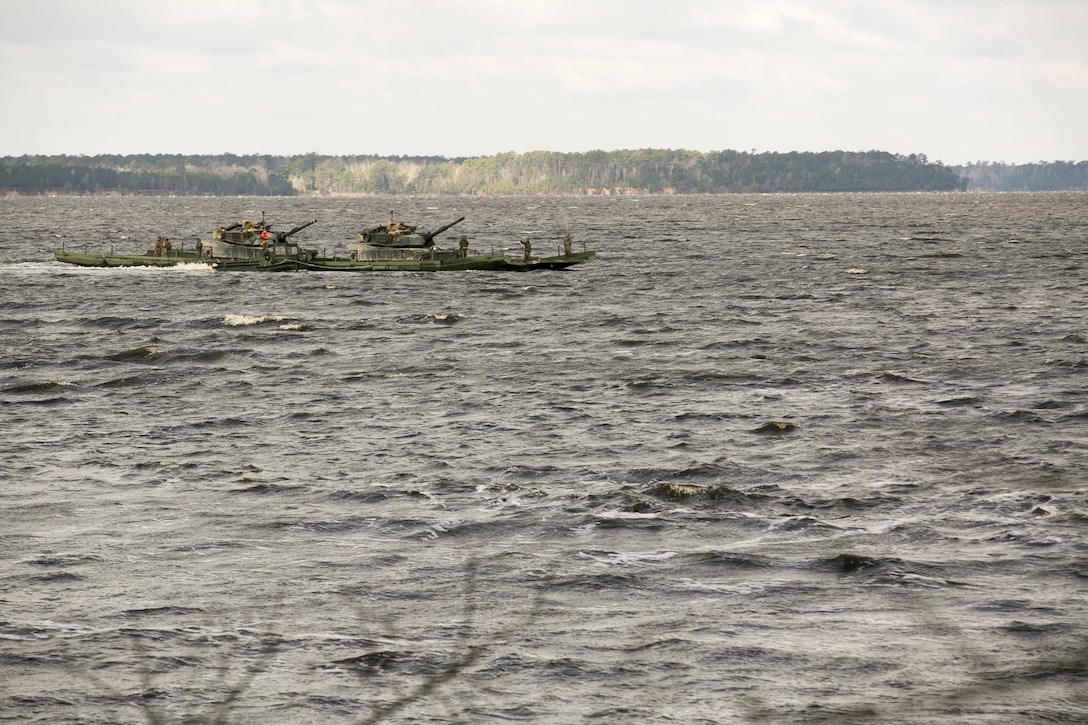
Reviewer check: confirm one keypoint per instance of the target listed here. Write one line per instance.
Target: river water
(784, 458)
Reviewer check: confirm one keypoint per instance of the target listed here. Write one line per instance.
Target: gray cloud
(958, 81)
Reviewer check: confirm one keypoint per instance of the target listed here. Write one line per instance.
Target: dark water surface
(769, 459)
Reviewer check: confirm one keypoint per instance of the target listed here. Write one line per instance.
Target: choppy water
(769, 459)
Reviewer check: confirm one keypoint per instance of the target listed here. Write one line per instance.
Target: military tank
(253, 240)
(383, 242)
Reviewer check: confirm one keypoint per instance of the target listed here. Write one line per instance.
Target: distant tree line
(642, 171)
(226, 175)
(645, 171)
(1043, 176)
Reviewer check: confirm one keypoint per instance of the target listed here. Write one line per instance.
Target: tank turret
(247, 232)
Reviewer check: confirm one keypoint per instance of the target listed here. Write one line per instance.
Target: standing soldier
(462, 246)
(566, 244)
(528, 249)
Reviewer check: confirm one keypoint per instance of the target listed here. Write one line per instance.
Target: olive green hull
(492, 262)
(85, 259)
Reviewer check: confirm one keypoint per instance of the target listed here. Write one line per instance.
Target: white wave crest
(243, 320)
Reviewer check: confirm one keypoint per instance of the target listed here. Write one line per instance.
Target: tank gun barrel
(429, 236)
(298, 229)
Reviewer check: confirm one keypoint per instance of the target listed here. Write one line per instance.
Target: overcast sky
(957, 80)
